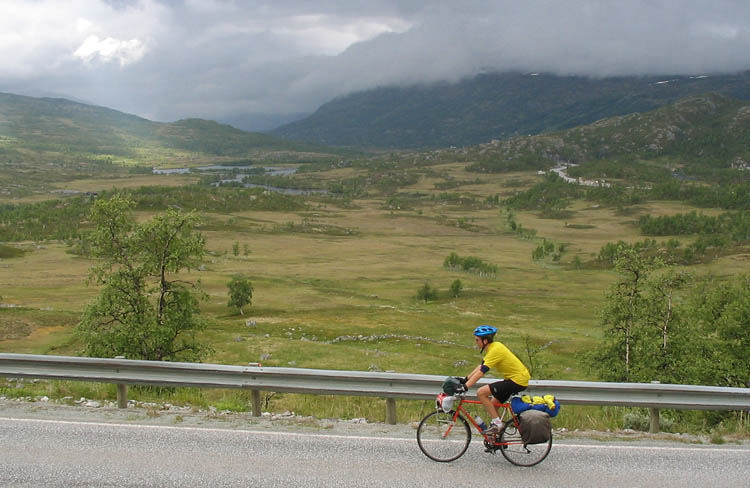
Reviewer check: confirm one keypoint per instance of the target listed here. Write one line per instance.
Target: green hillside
(47, 124)
(493, 106)
(44, 140)
(700, 136)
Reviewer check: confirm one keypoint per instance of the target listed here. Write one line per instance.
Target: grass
(127, 181)
(311, 288)
(9, 252)
(733, 427)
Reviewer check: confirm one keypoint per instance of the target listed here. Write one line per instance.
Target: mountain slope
(493, 106)
(62, 126)
(702, 134)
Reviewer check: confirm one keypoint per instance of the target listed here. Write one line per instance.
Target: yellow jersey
(497, 356)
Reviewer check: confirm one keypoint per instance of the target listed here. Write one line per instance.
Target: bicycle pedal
(490, 450)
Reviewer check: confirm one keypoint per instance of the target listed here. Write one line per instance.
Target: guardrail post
(390, 411)
(256, 402)
(122, 396)
(122, 391)
(654, 425)
(654, 414)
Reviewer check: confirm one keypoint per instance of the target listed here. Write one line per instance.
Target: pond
(269, 170)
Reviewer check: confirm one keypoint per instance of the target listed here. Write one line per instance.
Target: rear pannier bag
(536, 427)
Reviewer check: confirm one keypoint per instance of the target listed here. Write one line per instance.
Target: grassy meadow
(335, 288)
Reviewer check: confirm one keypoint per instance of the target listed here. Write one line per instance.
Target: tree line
(554, 194)
(735, 225)
(714, 236)
(66, 219)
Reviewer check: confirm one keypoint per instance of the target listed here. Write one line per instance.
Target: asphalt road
(43, 452)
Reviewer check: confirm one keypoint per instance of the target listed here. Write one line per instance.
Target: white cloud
(331, 35)
(83, 25)
(40, 38)
(110, 49)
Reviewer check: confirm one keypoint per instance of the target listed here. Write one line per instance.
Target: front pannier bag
(536, 427)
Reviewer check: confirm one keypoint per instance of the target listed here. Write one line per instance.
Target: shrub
(427, 293)
(456, 288)
(470, 264)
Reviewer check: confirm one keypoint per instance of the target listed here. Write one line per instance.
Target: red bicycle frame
(488, 439)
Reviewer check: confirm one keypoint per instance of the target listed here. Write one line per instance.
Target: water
(269, 170)
(171, 171)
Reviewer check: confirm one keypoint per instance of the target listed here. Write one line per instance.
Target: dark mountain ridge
(493, 106)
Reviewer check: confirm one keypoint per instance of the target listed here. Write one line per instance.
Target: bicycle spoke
(441, 438)
(518, 453)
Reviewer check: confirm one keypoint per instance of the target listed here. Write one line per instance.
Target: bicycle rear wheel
(441, 439)
(519, 454)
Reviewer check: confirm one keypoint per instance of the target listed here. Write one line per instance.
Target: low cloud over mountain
(167, 60)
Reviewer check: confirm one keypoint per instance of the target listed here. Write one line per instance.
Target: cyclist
(496, 356)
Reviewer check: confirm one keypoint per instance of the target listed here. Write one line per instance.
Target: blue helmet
(485, 331)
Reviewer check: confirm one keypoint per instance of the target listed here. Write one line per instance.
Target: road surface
(46, 452)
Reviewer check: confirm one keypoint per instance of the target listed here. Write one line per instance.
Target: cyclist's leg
(503, 389)
(484, 393)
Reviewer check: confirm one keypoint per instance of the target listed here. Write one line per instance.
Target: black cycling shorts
(503, 389)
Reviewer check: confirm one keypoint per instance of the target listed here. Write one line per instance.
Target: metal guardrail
(354, 383)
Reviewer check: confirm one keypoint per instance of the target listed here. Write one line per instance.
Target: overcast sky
(171, 59)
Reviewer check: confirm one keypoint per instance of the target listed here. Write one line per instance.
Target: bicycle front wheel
(441, 438)
(518, 453)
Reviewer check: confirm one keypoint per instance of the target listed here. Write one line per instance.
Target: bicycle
(445, 436)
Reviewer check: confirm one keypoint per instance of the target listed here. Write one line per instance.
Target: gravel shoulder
(169, 415)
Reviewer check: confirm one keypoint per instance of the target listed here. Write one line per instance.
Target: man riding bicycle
(496, 355)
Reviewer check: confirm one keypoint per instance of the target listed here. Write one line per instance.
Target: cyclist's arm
(476, 375)
(478, 368)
